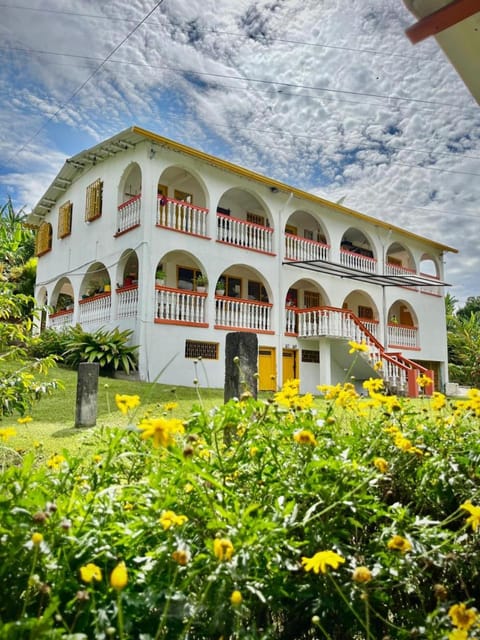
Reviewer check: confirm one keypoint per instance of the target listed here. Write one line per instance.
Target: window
(183, 196)
(65, 220)
(256, 291)
(311, 299)
(186, 278)
(309, 355)
(291, 229)
(365, 312)
(93, 205)
(233, 287)
(162, 190)
(205, 350)
(43, 242)
(308, 234)
(256, 219)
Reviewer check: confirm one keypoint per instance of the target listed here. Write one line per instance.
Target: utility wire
(85, 82)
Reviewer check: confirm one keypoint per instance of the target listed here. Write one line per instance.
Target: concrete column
(87, 391)
(241, 358)
(325, 367)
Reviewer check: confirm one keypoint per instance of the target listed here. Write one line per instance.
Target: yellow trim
(281, 186)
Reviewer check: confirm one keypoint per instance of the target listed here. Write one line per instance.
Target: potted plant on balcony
(201, 283)
(220, 287)
(160, 276)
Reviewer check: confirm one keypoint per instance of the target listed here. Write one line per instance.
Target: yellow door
(289, 365)
(267, 375)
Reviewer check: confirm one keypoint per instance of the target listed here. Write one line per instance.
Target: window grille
(309, 355)
(255, 218)
(205, 350)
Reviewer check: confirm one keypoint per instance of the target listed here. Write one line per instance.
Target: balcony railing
(325, 321)
(398, 270)
(246, 235)
(297, 248)
(95, 310)
(181, 216)
(242, 314)
(127, 301)
(128, 215)
(179, 306)
(357, 261)
(60, 319)
(402, 336)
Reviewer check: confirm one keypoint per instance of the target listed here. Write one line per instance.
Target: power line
(85, 82)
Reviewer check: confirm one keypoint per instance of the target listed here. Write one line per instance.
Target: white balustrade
(244, 234)
(243, 314)
(357, 261)
(297, 248)
(128, 215)
(291, 320)
(60, 319)
(402, 336)
(95, 310)
(398, 270)
(127, 302)
(175, 305)
(434, 290)
(181, 216)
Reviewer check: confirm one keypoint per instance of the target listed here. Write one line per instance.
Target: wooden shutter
(93, 205)
(65, 220)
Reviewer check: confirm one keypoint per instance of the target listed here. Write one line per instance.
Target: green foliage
(17, 245)
(464, 350)
(109, 348)
(213, 529)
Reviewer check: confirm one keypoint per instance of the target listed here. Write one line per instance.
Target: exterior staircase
(398, 372)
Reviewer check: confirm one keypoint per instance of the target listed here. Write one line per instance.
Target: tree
(472, 305)
(464, 350)
(17, 247)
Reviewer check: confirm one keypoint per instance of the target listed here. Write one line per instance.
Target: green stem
(27, 590)
(120, 615)
(166, 608)
(348, 604)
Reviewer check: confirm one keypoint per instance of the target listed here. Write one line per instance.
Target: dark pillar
(87, 391)
(241, 357)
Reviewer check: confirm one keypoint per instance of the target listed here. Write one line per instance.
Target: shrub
(109, 348)
(259, 520)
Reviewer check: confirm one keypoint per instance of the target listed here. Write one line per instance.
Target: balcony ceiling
(456, 27)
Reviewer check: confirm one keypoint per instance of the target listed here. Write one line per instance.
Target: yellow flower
(438, 401)
(170, 406)
(398, 543)
(119, 576)
(381, 464)
(126, 402)
(474, 519)
(304, 436)
(462, 617)
(37, 538)
(170, 519)
(321, 560)
(24, 419)
(90, 572)
(357, 346)
(6, 433)
(181, 556)
(362, 574)
(253, 451)
(378, 366)
(373, 385)
(55, 461)
(236, 598)
(424, 381)
(223, 548)
(162, 430)
(458, 634)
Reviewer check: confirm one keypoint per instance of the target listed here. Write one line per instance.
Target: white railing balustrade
(176, 305)
(241, 233)
(128, 215)
(291, 320)
(402, 336)
(243, 314)
(60, 319)
(398, 270)
(357, 261)
(95, 310)
(181, 216)
(127, 302)
(297, 248)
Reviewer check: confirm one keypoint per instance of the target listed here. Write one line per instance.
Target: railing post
(412, 386)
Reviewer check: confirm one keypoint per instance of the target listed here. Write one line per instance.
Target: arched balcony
(356, 251)
(181, 203)
(95, 297)
(243, 221)
(305, 238)
(129, 199)
(402, 326)
(62, 302)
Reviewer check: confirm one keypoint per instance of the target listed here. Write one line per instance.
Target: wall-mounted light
(274, 189)
(152, 153)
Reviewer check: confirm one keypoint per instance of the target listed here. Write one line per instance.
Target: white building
(306, 275)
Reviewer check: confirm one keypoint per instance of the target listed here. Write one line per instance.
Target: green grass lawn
(53, 417)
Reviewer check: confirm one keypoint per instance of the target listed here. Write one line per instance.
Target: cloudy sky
(324, 95)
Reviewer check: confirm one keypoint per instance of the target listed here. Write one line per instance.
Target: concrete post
(87, 391)
(241, 357)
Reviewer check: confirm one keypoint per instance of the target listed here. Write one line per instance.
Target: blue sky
(336, 102)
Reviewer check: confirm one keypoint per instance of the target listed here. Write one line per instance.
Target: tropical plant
(110, 349)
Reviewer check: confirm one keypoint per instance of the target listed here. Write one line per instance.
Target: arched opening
(402, 326)
(129, 199)
(181, 202)
(363, 306)
(399, 259)
(356, 251)
(305, 238)
(244, 221)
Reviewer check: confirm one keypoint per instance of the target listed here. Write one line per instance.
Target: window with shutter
(65, 220)
(93, 205)
(43, 242)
